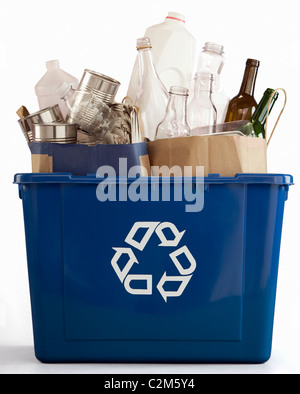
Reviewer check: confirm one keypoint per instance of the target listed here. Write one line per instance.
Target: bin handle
(268, 113)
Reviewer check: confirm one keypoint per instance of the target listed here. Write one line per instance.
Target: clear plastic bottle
(83, 108)
(201, 110)
(212, 60)
(66, 92)
(152, 96)
(46, 88)
(175, 121)
(173, 53)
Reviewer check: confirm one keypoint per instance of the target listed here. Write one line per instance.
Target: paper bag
(224, 155)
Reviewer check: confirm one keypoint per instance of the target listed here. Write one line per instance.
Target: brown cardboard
(42, 164)
(224, 155)
(145, 165)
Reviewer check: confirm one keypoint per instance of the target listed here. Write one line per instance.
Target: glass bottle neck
(260, 115)
(177, 107)
(146, 61)
(249, 80)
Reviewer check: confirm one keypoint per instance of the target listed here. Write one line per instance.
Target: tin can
(47, 115)
(60, 133)
(102, 86)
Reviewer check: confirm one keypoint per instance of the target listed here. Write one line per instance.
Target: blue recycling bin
(124, 279)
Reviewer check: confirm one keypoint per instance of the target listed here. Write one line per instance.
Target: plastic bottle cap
(176, 16)
(213, 47)
(63, 89)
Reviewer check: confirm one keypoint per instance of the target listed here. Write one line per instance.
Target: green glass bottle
(242, 106)
(259, 117)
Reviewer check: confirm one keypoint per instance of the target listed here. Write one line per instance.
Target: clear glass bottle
(152, 96)
(173, 53)
(175, 121)
(201, 110)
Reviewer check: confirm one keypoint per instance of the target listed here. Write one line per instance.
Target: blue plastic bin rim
(276, 179)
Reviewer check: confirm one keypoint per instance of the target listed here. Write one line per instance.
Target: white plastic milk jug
(46, 88)
(173, 50)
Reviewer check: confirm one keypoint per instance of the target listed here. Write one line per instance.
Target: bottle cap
(176, 16)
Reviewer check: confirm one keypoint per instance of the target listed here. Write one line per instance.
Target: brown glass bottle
(242, 106)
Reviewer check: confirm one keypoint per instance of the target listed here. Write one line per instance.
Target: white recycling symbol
(185, 274)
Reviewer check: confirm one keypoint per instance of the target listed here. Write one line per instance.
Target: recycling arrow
(165, 294)
(132, 260)
(184, 251)
(169, 242)
(139, 291)
(151, 226)
(182, 258)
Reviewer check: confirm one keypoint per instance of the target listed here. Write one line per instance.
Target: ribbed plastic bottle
(212, 60)
(201, 110)
(83, 108)
(173, 50)
(46, 88)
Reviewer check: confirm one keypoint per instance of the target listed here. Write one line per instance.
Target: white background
(101, 35)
